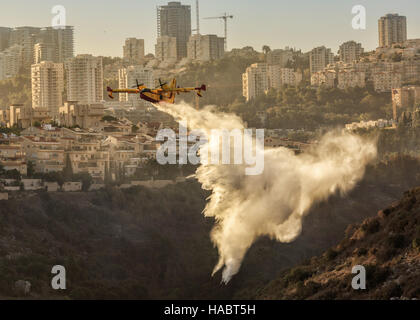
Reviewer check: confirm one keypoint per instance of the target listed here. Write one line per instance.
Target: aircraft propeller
(161, 85)
(137, 84)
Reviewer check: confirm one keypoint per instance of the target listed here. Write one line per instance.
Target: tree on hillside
(12, 174)
(16, 90)
(30, 169)
(68, 170)
(266, 49)
(85, 178)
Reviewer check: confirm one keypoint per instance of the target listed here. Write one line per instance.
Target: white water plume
(274, 203)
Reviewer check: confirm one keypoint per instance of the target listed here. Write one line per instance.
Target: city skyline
(115, 24)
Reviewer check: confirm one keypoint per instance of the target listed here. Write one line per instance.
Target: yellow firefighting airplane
(163, 93)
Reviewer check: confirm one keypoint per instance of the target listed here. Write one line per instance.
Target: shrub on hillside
(371, 226)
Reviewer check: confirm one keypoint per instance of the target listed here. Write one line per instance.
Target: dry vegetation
(388, 245)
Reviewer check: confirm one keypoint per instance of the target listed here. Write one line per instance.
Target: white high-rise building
(320, 58)
(255, 81)
(350, 51)
(10, 61)
(392, 29)
(133, 50)
(47, 86)
(128, 78)
(206, 47)
(166, 49)
(84, 75)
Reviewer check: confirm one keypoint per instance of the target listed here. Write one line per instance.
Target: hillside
(151, 244)
(387, 245)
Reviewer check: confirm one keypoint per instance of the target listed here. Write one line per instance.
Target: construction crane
(197, 13)
(225, 18)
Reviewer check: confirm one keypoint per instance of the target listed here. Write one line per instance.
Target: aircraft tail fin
(173, 84)
(173, 93)
(202, 88)
(110, 92)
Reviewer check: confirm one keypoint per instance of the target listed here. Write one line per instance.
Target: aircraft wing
(111, 91)
(198, 89)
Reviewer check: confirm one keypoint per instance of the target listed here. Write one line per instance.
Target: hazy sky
(102, 25)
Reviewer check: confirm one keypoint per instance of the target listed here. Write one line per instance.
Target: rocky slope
(387, 245)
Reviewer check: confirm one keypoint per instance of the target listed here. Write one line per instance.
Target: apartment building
(319, 58)
(4, 37)
(46, 154)
(279, 57)
(46, 131)
(87, 155)
(350, 51)
(84, 75)
(410, 70)
(47, 86)
(114, 152)
(76, 134)
(376, 71)
(205, 47)
(10, 62)
(255, 81)
(86, 116)
(24, 116)
(124, 151)
(166, 49)
(327, 78)
(386, 81)
(116, 128)
(174, 20)
(44, 52)
(407, 97)
(11, 151)
(381, 123)
(54, 44)
(26, 37)
(133, 50)
(279, 76)
(12, 157)
(392, 29)
(351, 79)
(18, 165)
